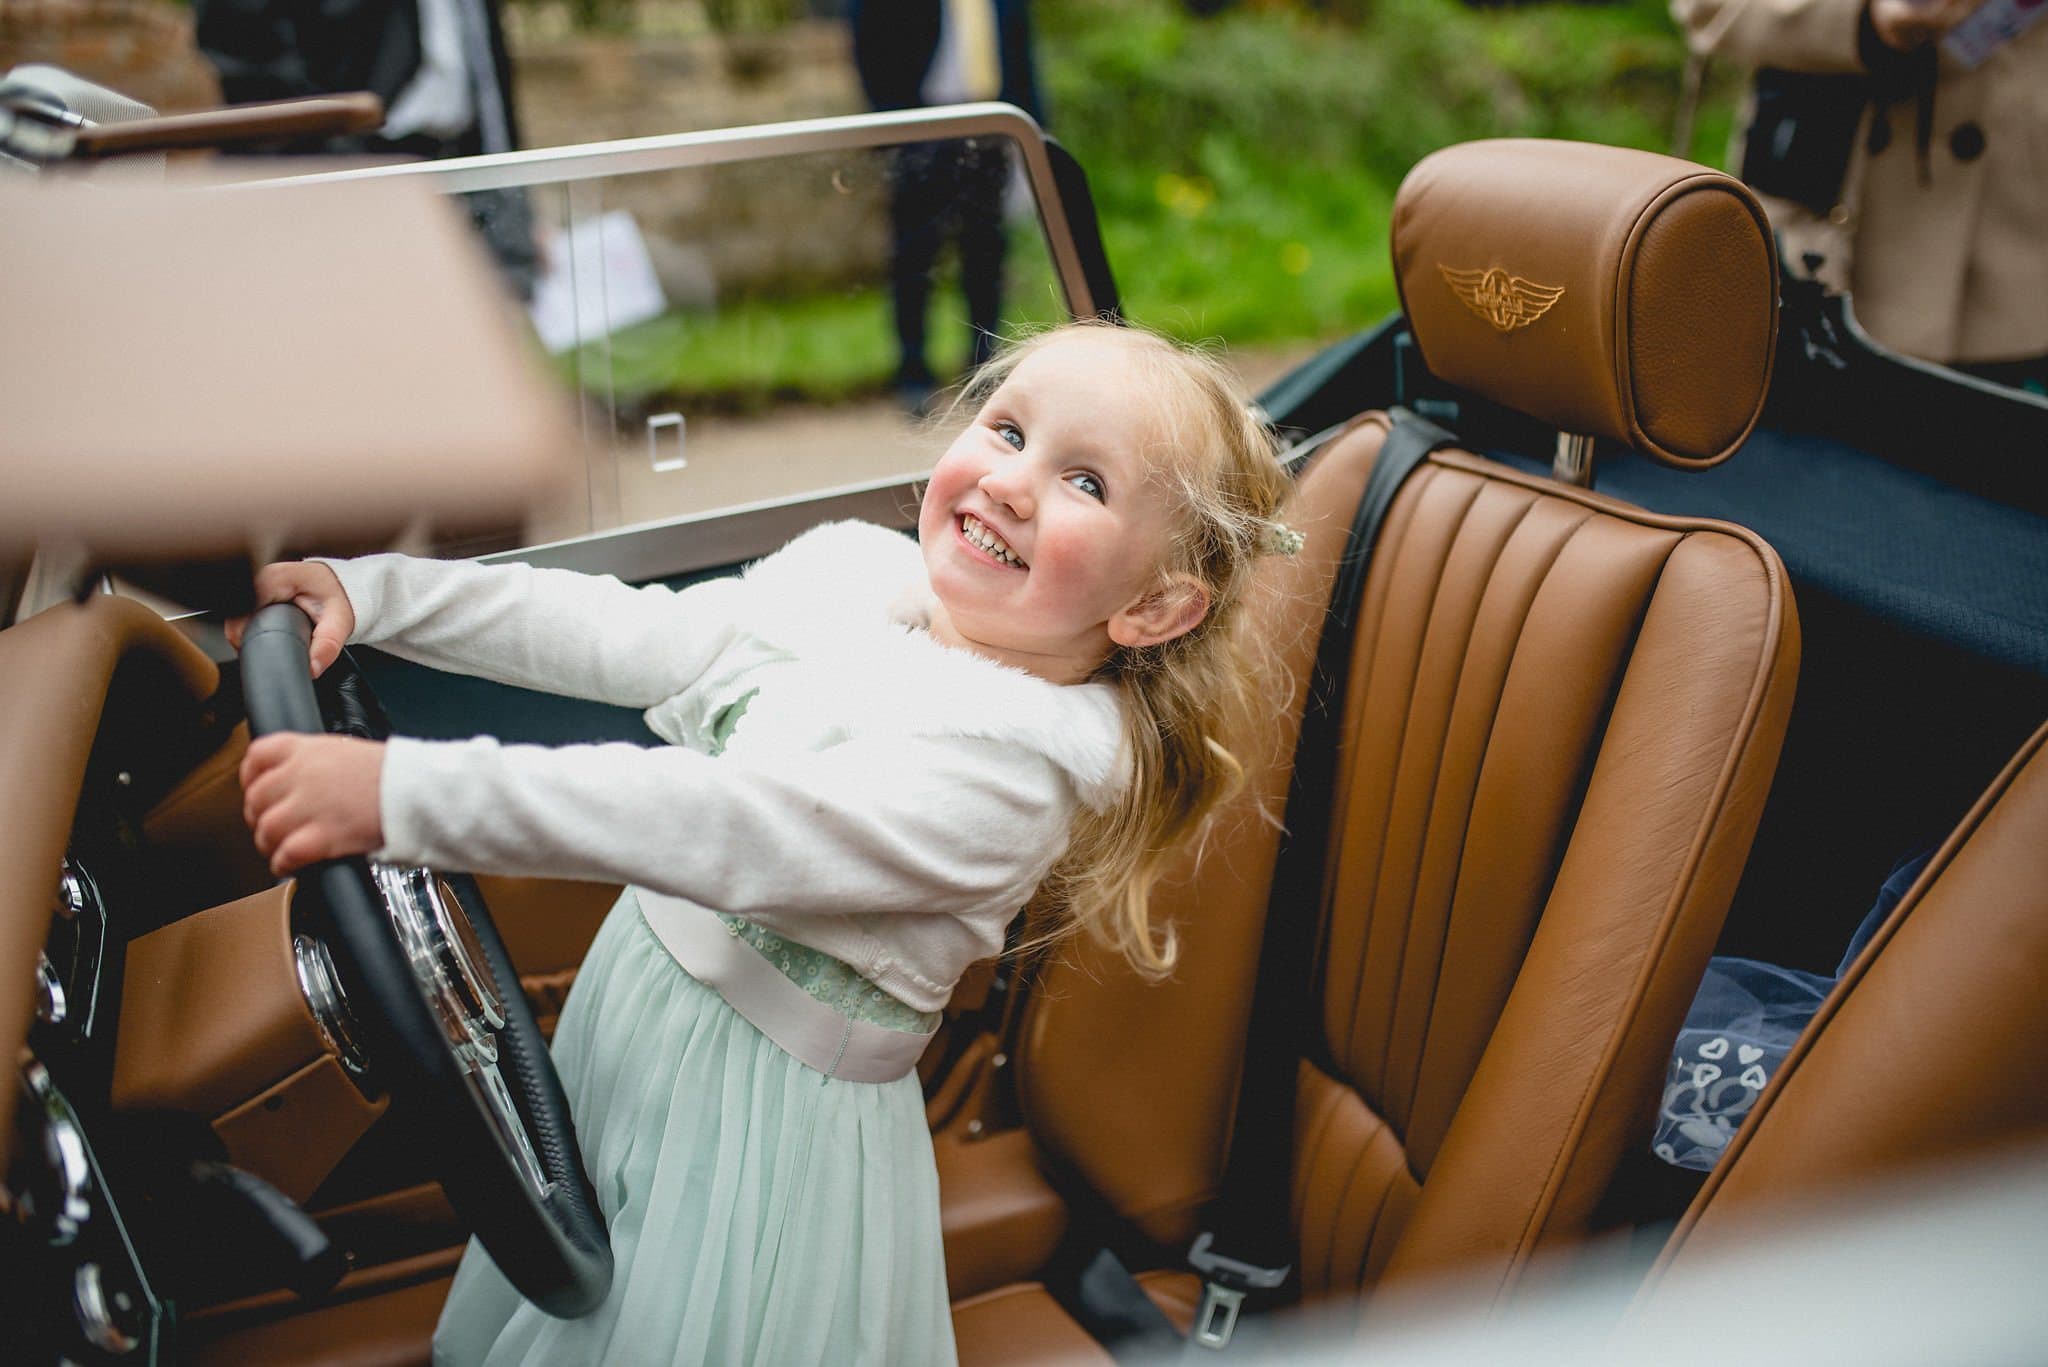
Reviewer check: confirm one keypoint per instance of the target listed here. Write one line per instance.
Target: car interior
(1611, 648)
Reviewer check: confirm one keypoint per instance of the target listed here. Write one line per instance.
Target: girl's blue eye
(1088, 484)
(1011, 433)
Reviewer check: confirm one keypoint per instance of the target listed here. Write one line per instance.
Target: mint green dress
(760, 1212)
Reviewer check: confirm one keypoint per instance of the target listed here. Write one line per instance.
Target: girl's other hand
(317, 592)
(309, 798)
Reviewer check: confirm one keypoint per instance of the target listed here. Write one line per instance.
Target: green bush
(1244, 165)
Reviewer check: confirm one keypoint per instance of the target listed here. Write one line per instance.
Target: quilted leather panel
(1560, 723)
(1353, 1192)
(1504, 617)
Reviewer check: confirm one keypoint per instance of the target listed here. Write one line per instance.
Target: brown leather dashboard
(56, 670)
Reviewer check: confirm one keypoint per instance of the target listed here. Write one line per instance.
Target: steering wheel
(420, 965)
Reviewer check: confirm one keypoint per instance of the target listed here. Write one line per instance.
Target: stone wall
(141, 48)
(588, 87)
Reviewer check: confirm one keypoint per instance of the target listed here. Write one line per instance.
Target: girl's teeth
(979, 534)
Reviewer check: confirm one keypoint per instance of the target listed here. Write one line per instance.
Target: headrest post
(1573, 463)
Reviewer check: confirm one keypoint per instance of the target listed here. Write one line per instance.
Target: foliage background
(1244, 165)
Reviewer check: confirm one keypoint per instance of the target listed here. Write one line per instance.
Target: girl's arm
(558, 631)
(941, 824)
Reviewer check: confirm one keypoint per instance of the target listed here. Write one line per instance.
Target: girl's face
(1042, 531)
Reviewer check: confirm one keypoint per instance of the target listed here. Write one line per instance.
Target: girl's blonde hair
(1187, 698)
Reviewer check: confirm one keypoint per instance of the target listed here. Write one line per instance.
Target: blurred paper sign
(595, 279)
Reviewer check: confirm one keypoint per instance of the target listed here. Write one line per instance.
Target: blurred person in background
(915, 53)
(439, 66)
(1901, 147)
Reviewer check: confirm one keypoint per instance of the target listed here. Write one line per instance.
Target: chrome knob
(51, 1004)
(53, 1200)
(71, 894)
(108, 1316)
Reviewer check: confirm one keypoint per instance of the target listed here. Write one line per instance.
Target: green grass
(754, 351)
(825, 347)
(1243, 166)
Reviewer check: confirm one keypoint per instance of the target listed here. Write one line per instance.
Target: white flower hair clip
(1280, 539)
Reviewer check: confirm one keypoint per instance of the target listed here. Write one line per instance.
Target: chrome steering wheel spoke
(454, 978)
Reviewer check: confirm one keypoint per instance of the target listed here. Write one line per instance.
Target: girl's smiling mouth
(983, 538)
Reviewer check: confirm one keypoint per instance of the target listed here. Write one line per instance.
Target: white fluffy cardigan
(885, 799)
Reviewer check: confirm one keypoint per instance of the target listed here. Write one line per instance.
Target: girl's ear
(1173, 609)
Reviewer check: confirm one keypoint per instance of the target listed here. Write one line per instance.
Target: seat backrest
(1932, 1048)
(1561, 712)
(1562, 716)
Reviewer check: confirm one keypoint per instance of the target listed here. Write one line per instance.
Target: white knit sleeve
(943, 824)
(558, 631)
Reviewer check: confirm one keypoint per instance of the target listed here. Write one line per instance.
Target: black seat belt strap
(1247, 1246)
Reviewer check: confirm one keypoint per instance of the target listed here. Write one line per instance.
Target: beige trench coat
(1952, 270)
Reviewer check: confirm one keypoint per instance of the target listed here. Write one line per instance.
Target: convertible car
(1644, 616)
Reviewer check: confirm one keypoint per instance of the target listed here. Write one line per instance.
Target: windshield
(716, 307)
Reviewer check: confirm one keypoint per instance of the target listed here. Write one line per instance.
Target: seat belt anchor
(1225, 1281)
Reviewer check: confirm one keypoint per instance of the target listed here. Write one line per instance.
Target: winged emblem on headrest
(1506, 301)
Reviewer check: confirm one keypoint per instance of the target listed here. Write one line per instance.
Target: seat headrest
(1602, 290)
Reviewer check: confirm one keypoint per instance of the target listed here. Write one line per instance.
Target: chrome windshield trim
(718, 146)
(721, 536)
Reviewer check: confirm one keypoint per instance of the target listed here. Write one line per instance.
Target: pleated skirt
(760, 1212)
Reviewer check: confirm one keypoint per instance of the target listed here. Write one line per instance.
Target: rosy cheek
(1061, 561)
(940, 493)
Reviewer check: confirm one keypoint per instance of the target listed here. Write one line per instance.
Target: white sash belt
(807, 1029)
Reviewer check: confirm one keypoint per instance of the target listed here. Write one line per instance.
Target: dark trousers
(940, 191)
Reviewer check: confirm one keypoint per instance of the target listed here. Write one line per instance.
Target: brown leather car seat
(1933, 1048)
(1561, 718)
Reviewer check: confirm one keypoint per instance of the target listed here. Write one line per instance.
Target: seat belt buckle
(1216, 1316)
(1225, 1282)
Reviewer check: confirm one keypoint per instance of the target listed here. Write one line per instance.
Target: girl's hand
(309, 798)
(318, 593)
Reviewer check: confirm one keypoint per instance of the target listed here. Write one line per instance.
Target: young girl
(881, 749)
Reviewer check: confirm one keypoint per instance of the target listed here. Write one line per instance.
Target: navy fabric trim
(1897, 543)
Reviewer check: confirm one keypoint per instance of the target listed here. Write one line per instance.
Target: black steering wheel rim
(550, 1243)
